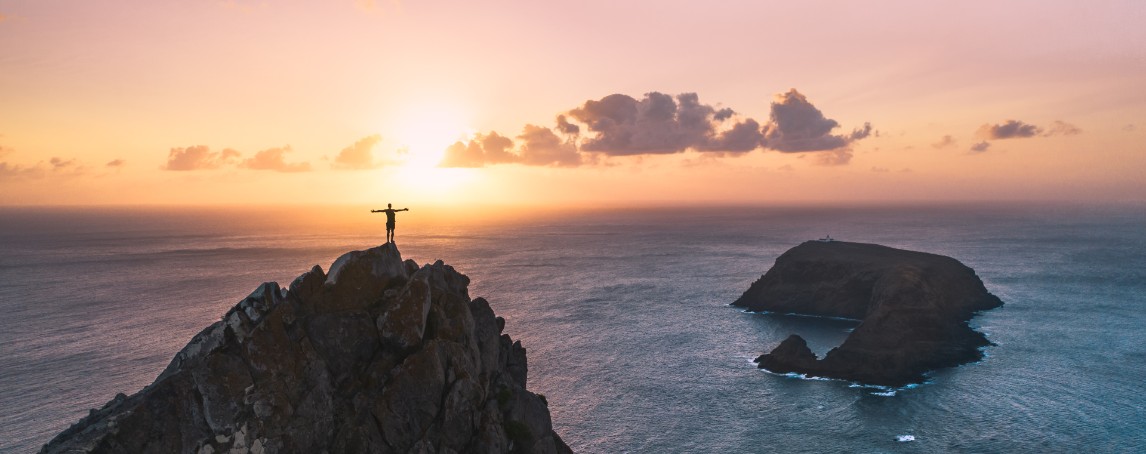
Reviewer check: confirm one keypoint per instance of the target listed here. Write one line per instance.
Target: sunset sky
(574, 103)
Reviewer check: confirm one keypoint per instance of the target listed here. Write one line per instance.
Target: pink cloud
(199, 157)
(272, 159)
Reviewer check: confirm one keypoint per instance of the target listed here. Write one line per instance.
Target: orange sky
(237, 102)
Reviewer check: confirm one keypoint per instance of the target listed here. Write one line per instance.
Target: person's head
(388, 205)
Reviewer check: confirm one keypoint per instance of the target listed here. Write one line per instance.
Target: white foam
(904, 438)
(799, 376)
(884, 391)
(878, 390)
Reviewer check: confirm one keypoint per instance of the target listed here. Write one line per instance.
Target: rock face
(914, 309)
(379, 355)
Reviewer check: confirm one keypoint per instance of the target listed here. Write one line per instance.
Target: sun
(425, 132)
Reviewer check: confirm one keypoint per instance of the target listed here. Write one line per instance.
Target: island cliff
(379, 355)
(913, 308)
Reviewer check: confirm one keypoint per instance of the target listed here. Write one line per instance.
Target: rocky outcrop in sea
(378, 355)
(913, 308)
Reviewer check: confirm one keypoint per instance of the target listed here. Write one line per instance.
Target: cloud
(59, 164)
(1010, 129)
(199, 157)
(743, 136)
(14, 170)
(541, 147)
(659, 124)
(862, 133)
(1062, 128)
(55, 166)
(359, 156)
(946, 141)
(116, 163)
(485, 149)
(797, 126)
(980, 147)
(832, 158)
(272, 159)
(565, 127)
(1129, 127)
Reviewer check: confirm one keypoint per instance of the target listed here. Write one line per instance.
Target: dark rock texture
(914, 308)
(379, 355)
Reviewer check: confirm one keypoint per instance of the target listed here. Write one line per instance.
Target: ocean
(625, 316)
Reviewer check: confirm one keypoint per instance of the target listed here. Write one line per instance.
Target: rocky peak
(378, 355)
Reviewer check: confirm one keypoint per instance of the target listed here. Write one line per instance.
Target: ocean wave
(799, 376)
(877, 390)
(886, 391)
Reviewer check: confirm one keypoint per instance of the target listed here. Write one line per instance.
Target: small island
(913, 309)
(378, 355)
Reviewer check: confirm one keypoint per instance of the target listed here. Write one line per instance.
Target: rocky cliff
(378, 355)
(914, 309)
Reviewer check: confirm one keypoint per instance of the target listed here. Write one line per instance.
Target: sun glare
(437, 185)
(427, 131)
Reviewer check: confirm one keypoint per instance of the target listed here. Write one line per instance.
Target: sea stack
(913, 308)
(379, 355)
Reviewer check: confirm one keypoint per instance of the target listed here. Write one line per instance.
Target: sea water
(625, 317)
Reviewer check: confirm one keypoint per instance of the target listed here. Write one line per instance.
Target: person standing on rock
(389, 220)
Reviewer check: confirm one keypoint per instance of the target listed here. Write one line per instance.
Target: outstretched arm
(404, 209)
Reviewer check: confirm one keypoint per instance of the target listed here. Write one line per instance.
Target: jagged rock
(379, 355)
(404, 321)
(914, 308)
(792, 355)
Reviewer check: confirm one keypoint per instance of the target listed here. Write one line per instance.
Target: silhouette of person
(389, 220)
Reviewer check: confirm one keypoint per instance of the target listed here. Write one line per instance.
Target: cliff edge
(913, 308)
(378, 355)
